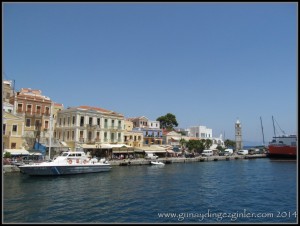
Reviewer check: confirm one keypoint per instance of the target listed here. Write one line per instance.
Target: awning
(156, 151)
(104, 146)
(36, 153)
(16, 151)
(121, 151)
(170, 151)
(175, 138)
(89, 146)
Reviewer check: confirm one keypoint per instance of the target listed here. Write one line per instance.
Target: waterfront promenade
(169, 160)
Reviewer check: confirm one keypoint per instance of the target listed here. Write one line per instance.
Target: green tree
(195, 146)
(7, 155)
(167, 121)
(229, 143)
(207, 143)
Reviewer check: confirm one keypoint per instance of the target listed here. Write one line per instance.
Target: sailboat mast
(50, 131)
(273, 126)
(262, 130)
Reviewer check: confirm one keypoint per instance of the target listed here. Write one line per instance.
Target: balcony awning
(16, 151)
(122, 151)
(104, 146)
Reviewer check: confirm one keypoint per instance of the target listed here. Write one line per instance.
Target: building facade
(92, 126)
(7, 90)
(13, 131)
(132, 138)
(151, 130)
(36, 110)
(201, 132)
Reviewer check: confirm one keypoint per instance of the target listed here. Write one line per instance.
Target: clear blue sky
(207, 63)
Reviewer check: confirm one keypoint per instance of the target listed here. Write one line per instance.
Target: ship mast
(262, 130)
(273, 126)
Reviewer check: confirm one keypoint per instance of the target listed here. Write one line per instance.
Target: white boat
(157, 163)
(71, 162)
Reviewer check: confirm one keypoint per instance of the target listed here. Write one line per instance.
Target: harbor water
(235, 191)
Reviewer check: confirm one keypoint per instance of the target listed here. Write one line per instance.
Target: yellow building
(132, 138)
(13, 131)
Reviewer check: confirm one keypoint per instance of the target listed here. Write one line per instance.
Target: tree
(195, 145)
(7, 155)
(167, 121)
(207, 143)
(229, 143)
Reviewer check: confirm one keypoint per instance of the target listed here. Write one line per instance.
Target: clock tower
(238, 136)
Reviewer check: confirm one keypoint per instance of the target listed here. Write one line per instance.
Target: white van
(207, 153)
(228, 151)
(242, 152)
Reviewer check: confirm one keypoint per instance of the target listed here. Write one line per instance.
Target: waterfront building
(238, 136)
(151, 129)
(7, 107)
(132, 138)
(93, 129)
(7, 90)
(13, 131)
(35, 108)
(172, 138)
(201, 132)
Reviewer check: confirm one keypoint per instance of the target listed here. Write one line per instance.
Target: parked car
(242, 152)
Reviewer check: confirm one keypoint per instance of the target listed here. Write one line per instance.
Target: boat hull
(63, 169)
(282, 151)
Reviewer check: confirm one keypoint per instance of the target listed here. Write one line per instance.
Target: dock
(169, 160)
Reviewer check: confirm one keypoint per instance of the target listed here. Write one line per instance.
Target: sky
(209, 64)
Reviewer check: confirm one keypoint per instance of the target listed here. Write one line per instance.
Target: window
(14, 128)
(37, 124)
(20, 106)
(38, 109)
(98, 121)
(28, 108)
(4, 129)
(28, 122)
(90, 121)
(13, 146)
(73, 120)
(81, 121)
(46, 124)
(47, 112)
(73, 135)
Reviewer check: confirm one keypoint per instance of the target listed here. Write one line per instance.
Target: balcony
(92, 127)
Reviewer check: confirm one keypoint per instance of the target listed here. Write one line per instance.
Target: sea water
(235, 191)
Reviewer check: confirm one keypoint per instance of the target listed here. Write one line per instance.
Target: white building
(201, 132)
(92, 126)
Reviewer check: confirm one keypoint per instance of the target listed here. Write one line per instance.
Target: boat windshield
(64, 154)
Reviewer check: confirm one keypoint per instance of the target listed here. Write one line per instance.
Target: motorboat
(69, 162)
(157, 163)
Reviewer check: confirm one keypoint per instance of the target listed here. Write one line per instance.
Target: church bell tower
(238, 136)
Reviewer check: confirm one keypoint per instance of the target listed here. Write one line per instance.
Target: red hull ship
(283, 146)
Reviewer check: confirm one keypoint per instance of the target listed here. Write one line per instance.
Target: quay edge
(136, 162)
